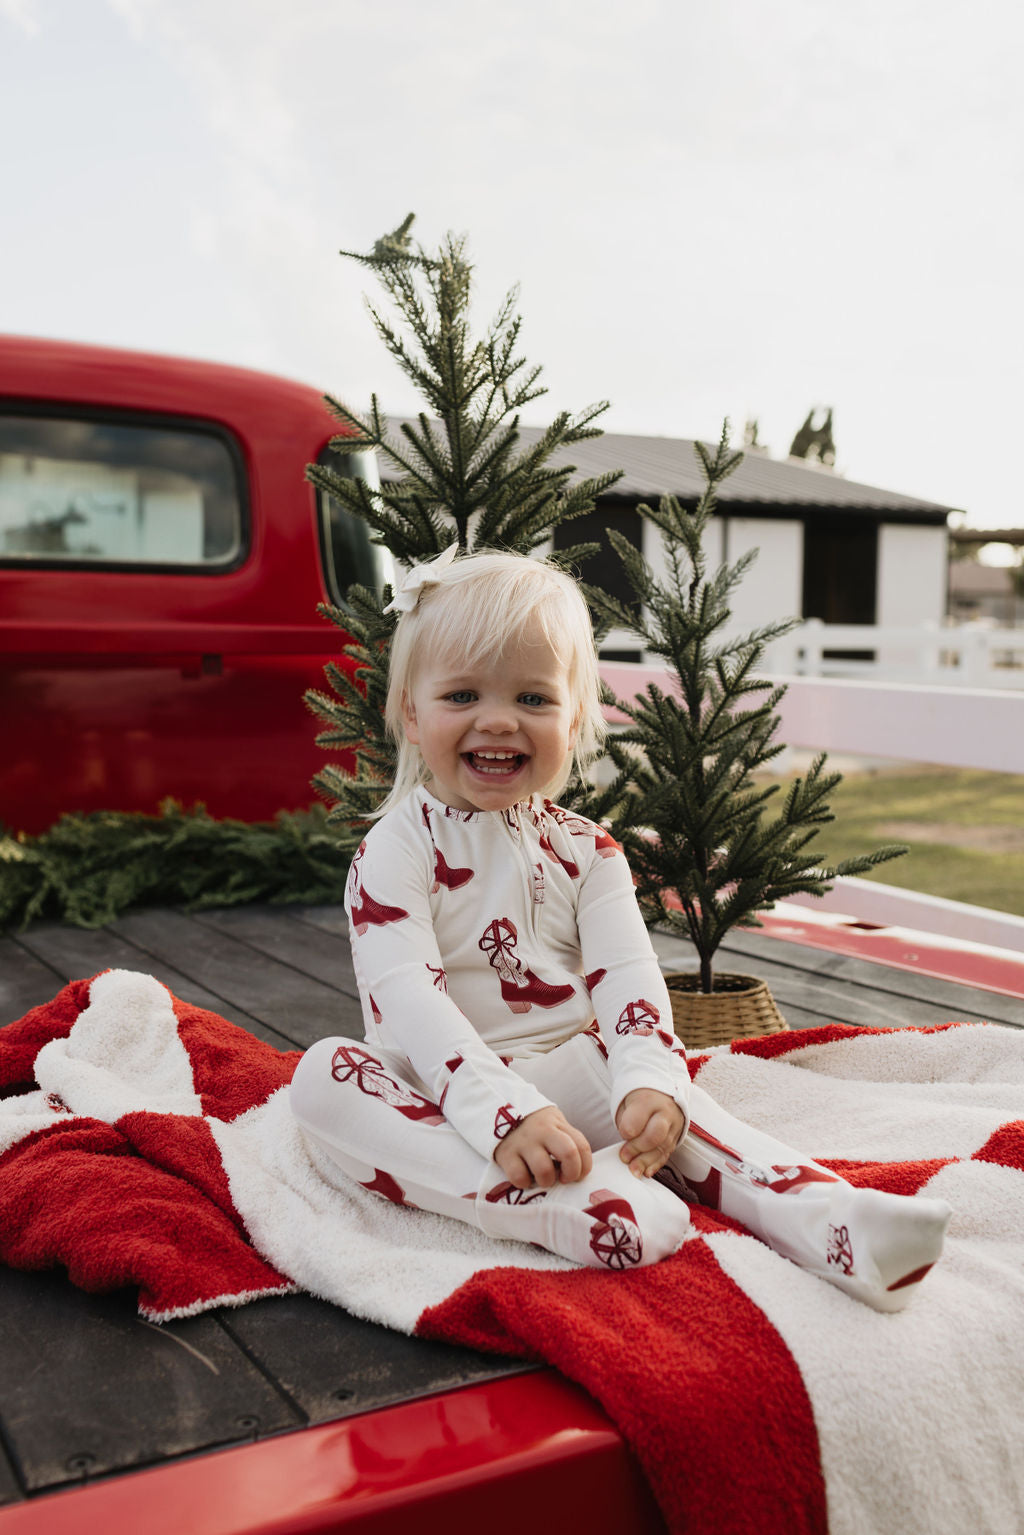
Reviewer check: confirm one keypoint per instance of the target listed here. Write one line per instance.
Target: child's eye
(532, 700)
(462, 696)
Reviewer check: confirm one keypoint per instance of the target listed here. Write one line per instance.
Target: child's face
(495, 733)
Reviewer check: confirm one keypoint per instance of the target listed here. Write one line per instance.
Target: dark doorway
(605, 569)
(840, 583)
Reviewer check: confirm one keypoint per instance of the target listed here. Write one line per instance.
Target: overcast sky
(728, 209)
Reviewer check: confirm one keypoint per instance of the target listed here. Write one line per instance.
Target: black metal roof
(656, 466)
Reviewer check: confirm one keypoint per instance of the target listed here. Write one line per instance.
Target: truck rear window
(76, 491)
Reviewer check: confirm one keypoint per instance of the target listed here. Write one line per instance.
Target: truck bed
(89, 1391)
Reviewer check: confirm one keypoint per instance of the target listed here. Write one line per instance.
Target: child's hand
(543, 1149)
(650, 1124)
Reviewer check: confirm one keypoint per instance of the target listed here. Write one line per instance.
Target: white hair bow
(409, 588)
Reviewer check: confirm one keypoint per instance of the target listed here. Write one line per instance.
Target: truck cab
(162, 558)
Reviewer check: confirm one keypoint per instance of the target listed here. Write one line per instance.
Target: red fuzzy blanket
(146, 1142)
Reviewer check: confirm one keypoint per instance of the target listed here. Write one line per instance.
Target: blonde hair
(478, 609)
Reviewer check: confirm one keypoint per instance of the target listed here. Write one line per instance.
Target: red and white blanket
(147, 1142)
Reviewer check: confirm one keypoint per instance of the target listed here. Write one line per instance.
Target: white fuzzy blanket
(148, 1142)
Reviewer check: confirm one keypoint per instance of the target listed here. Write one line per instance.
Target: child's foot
(880, 1246)
(609, 1219)
(875, 1246)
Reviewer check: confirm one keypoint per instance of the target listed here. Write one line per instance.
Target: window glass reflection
(79, 491)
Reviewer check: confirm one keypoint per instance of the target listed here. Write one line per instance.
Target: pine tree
(457, 471)
(705, 852)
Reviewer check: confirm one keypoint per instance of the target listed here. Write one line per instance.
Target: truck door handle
(194, 667)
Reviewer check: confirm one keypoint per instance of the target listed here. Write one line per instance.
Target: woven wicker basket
(738, 1006)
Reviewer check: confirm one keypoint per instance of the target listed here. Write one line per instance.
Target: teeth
(496, 763)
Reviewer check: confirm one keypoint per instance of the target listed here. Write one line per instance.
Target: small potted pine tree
(697, 825)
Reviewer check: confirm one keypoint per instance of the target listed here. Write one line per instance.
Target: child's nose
(496, 718)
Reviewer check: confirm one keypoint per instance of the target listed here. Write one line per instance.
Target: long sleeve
(628, 992)
(403, 985)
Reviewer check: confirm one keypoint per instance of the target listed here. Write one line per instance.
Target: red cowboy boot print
(364, 911)
(351, 1064)
(520, 988)
(595, 977)
(840, 1251)
(615, 1235)
(451, 879)
(389, 1188)
(571, 868)
(639, 1017)
(439, 978)
(605, 846)
(508, 1194)
(790, 1178)
(505, 1121)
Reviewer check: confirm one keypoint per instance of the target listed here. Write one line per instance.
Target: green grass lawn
(965, 831)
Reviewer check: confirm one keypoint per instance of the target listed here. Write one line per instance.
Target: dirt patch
(986, 839)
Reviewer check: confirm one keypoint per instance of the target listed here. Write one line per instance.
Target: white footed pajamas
(608, 1218)
(503, 965)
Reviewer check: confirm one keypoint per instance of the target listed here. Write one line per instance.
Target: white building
(828, 548)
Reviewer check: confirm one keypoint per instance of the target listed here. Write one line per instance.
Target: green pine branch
(457, 471)
(87, 869)
(707, 854)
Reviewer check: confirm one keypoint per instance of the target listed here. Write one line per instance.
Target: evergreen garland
(87, 869)
(457, 472)
(705, 853)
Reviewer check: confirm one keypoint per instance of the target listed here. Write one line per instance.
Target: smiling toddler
(520, 1071)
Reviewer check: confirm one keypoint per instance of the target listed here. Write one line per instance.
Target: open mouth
(495, 764)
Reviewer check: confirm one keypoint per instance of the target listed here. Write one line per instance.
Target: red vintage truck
(161, 561)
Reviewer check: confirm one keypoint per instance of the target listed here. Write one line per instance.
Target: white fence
(963, 655)
(950, 726)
